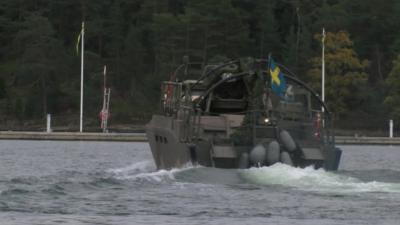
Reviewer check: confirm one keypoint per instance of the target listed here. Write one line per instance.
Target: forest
(143, 41)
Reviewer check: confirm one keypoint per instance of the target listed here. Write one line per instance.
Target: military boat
(239, 114)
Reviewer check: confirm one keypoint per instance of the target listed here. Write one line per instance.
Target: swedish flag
(278, 83)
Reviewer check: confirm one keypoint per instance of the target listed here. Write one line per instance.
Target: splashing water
(146, 171)
(309, 179)
(139, 167)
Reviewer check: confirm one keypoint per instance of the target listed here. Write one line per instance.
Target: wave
(138, 167)
(146, 171)
(309, 179)
(209, 175)
(306, 179)
(15, 191)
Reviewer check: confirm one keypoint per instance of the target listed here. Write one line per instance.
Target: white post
(108, 109)
(104, 109)
(82, 54)
(104, 81)
(323, 76)
(323, 67)
(391, 128)
(48, 129)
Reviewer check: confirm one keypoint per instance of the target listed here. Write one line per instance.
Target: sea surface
(55, 182)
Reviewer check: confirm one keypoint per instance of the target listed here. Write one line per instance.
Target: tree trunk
(378, 62)
(205, 47)
(44, 95)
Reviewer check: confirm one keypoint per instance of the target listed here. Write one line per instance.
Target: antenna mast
(105, 111)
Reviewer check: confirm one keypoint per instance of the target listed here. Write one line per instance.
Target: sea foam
(309, 179)
(146, 170)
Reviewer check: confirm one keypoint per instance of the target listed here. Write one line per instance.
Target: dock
(141, 137)
(349, 140)
(73, 136)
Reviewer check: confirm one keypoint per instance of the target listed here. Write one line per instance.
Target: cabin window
(161, 139)
(196, 94)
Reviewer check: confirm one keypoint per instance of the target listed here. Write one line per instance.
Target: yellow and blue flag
(278, 83)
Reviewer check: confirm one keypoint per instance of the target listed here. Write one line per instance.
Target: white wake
(146, 170)
(309, 179)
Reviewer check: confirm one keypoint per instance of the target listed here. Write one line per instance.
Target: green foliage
(345, 73)
(40, 57)
(142, 42)
(392, 100)
(216, 29)
(3, 92)
(266, 29)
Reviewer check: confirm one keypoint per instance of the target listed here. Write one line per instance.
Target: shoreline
(351, 140)
(141, 137)
(72, 136)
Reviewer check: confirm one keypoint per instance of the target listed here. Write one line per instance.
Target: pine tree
(267, 36)
(216, 31)
(392, 100)
(345, 73)
(39, 56)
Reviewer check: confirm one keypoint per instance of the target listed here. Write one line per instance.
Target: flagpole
(82, 54)
(323, 67)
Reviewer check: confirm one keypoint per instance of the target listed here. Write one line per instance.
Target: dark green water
(51, 182)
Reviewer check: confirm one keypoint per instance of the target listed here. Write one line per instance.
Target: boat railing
(314, 129)
(177, 103)
(170, 99)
